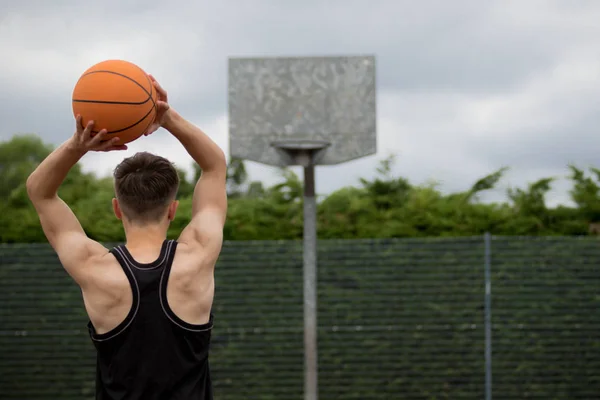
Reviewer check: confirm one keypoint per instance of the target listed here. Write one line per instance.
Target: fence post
(488, 315)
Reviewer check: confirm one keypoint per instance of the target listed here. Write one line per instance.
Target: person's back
(166, 356)
(149, 300)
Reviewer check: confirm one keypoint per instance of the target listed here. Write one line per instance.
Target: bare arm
(209, 202)
(60, 225)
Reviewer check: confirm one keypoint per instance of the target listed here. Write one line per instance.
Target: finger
(87, 132)
(116, 148)
(152, 77)
(109, 144)
(98, 138)
(160, 89)
(112, 142)
(79, 124)
(162, 106)
(162, 92)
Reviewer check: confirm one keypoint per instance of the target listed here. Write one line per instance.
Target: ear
(117, 209)
(172, 210)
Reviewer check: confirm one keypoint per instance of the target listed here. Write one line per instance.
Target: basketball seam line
(130, 126)
(133, 103)
(122, 129)
(152, 89)
(123, 76)
(153, 105)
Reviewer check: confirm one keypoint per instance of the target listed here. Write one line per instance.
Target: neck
(148, 236)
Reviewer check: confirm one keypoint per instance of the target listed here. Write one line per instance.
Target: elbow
(30, 186)
(35, 189)
(214, 161)
(222, 160)
(218, 162)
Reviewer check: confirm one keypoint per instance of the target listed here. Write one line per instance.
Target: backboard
(296, 99)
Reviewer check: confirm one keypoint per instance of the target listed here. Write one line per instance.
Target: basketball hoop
(297, 144)
(302, 104)
(313, 93)
(303, 152)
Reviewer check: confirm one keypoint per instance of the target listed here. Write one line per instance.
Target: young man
(149, 301)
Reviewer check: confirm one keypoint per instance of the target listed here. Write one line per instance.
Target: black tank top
(152, 354)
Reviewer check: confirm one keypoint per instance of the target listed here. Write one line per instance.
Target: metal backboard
(330, 99)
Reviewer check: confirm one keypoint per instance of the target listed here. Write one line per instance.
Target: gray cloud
(465, 87)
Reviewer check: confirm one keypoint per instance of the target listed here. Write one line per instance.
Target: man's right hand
(163, 109)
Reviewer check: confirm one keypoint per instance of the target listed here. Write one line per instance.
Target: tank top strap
(171, 246)
(120, 254)
(156, 264)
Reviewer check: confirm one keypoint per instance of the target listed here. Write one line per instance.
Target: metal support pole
(311, 391)
(488, 316)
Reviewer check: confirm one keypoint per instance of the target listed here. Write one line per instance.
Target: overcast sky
(464, 87)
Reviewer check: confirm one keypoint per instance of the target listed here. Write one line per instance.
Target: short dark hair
(145, 185)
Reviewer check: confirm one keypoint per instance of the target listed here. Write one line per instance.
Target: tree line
(381, 207)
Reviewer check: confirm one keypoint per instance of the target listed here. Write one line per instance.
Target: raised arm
(60, 225)
(209, 202)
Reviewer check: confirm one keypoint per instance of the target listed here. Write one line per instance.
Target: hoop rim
(300, 144)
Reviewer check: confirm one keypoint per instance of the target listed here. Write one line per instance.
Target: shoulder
(203, 252)
(194, 256)
(103, 259)
(102, 268)
(192, 270)
(204, 233)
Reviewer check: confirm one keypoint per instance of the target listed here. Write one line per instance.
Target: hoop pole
(311, 391)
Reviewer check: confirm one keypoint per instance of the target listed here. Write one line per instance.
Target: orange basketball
(118, 96)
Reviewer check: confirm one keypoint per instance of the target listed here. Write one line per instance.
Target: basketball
(118, 96)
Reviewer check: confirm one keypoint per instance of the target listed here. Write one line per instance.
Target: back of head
(145, 185)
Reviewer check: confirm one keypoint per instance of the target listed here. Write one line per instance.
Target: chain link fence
(398, 319)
